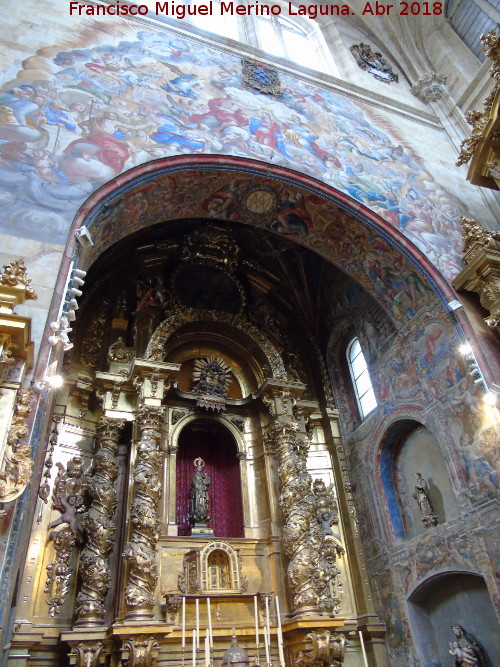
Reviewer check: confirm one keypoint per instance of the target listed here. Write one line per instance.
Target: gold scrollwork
(16, 465)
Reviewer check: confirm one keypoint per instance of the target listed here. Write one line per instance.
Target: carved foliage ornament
(68, 500)
(327, 651)
(14, 275)
(373, 62)
(16, 465)
(477, 119)
(262, 77)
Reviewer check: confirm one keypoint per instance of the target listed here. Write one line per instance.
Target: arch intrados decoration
(307, 212)
(222, 420)
(157, 345)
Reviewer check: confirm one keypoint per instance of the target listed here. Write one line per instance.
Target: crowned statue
(200, 485)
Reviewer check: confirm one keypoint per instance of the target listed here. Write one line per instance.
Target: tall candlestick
(209, 611)
(280, 633)
(183, 624)
(197, 623)
(362, 642)
(256, 614)
(194, 648)
(207, 650)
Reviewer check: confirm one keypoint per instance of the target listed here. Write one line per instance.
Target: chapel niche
(211, 441)
(410, 449)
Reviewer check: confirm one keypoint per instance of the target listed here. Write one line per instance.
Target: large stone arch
(333, 225)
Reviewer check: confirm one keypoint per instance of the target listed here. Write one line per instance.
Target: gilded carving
(176, 416)
(212, 377)
(98, 524)
(14, 275)
(68, 500)
(59, 572)
(482, 268)
(88, 653)
(140, 651)
(44, 491)
(327, 650)
(16, 465)
(140, 551)
(92, 342)
(119, 352)
(156, 346)
(172, 604)
(312, 571)
(480, 146)
(211, 244)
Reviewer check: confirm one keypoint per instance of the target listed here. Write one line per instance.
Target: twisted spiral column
(140, 550)
(99, 525)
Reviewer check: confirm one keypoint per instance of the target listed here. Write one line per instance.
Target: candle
(210, 636)
(266, 645)
(280, 633)
(194, 648)
(268, 628)
(256, 614)
(183, 624)
(207, 650)
(362, 642)
(197, 623)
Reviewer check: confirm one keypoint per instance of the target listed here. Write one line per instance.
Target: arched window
(361, 378)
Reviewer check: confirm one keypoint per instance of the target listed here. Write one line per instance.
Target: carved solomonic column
(140, 551)
(99, 525)
(311, 565)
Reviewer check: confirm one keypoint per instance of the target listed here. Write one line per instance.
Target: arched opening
(453, 599)
(209, 440)
(415, 479)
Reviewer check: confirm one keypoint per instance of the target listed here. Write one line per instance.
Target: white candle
(256, 614)
(197, 623)
(268, 628)
(207, 650)
(194, 648)
(280, 633)
(362, 642)
(209, 611)
(266, 645)
(183, 624)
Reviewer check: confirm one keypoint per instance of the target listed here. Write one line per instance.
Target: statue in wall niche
(465, 648)
(422, 497)
(199, 493)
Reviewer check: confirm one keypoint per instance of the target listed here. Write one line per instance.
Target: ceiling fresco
(73, 120)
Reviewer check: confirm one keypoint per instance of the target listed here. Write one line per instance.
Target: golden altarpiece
(177, 348)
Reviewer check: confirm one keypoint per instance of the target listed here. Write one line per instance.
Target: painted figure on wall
(73, 120)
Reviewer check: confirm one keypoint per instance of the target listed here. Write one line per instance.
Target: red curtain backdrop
(218, 449)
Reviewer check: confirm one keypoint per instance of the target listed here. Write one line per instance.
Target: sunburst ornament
(211, 377)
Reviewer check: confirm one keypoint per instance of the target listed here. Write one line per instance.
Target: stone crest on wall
(373, 62)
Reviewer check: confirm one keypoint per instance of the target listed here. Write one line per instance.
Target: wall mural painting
(265, 202)
(73, 120)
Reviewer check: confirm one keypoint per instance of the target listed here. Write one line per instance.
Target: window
(224, 24)
(471, 21)
(361, 378)
(283, 37)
